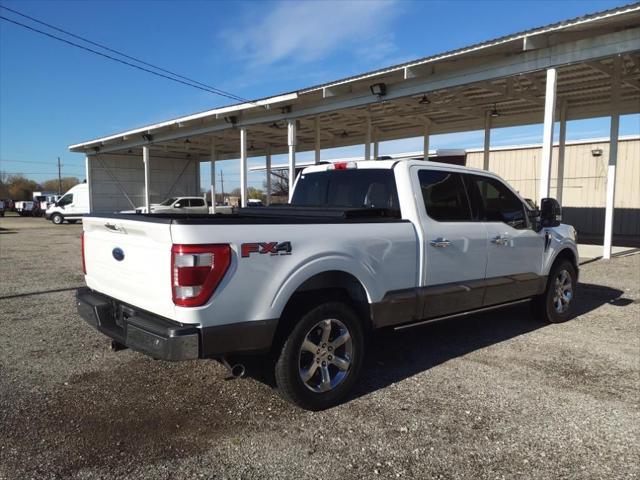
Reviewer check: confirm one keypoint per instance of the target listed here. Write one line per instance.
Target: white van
(71, 207)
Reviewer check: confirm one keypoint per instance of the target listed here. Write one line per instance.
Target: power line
(68, 42)
(33, 161)
(91, 42)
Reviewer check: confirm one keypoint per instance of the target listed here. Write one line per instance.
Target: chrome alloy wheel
(325, 355)
(563, 291)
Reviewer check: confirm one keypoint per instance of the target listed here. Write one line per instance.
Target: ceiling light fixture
(494, 112)
(378, 89)
(424, 100)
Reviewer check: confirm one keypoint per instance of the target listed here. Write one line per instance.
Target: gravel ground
(494, 396)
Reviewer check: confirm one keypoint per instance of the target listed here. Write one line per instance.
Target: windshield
(365, 188)
(169, 201)
(66, 200)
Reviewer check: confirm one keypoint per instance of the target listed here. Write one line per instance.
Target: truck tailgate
(131, 261)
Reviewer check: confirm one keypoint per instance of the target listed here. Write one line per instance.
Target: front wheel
(555, 305)
(57, 219)
(322, 357)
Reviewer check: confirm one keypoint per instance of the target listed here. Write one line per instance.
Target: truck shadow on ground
(396, 355)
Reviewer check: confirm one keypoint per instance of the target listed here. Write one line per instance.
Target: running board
(461, 314)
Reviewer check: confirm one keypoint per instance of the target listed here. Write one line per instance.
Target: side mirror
(177, 205)
(550, 212)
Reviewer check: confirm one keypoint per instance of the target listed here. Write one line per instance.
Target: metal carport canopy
(580, 68)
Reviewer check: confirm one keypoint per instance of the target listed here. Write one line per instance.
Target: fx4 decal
(272, 248)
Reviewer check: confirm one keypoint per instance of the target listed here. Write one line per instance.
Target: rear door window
(358, 188)
(196, 202)
(445, 197)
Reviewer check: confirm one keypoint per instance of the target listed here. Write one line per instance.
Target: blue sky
(53, 95)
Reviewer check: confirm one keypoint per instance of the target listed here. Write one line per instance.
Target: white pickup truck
(362, 246)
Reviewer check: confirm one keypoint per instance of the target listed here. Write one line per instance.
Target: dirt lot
(493, 396)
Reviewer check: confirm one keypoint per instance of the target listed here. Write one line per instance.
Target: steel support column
(243, 167)
(268, 165)
(425, 140)
(317, 140)
(146, 160)
(547, 133)
(213, 159)
(561, 150)
(87, 177)
(367, 139)
(292, 142)
(613, 158)
(376, 144)
(487, 141)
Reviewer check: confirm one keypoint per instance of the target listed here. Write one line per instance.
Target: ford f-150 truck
(362, 246)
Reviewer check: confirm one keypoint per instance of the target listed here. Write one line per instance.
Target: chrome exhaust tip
(237, 370)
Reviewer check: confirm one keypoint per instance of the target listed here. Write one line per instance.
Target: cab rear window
(364, 188)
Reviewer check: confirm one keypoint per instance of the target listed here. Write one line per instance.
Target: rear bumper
(165, 339)
(141, 331)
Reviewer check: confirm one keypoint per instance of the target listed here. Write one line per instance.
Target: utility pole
(59, 179)
(222, 185)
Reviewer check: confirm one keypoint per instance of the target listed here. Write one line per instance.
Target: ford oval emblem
(118, 254)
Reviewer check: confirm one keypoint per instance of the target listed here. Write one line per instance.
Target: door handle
(500, 240)
(440, 242)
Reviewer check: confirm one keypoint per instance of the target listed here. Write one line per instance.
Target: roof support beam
(628, 79)
(87, 178)
(547, 133)
(561, 150)
(425, 140)
(146, 161)
(243, 167)
(268, 165)
(487, 141)
(292, 141)
(316, 126)
(212, 159)
(613, 159)
(367, 139)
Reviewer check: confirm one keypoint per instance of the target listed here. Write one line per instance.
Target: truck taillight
(84, 265)
(196, 271)
(342, 166)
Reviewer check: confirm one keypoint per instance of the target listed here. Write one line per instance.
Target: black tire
(289, 366)
(552, 306)
(57, 219)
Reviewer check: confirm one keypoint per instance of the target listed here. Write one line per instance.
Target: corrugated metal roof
(403, 113)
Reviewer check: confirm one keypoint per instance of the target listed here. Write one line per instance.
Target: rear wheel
(322, 357)
(57, 219)
(555, 305)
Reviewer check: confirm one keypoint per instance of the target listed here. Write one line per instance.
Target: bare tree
(279, 183)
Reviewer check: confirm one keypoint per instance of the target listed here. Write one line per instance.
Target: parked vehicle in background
(44, 200)
(254, 202)
(72, 206)
(362, 246)
(3, 207)
(176, 205)
(26, 208)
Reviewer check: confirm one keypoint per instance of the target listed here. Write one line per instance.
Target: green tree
(66, 182)
(21, 188)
